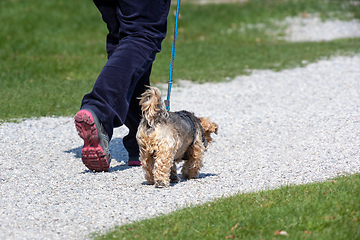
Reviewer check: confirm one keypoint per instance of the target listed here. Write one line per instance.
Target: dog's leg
(163, 163)
(192, 166)
(147, 162)
(174, 178)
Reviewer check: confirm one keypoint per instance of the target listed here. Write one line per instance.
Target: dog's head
(208, 127)
(152, 106)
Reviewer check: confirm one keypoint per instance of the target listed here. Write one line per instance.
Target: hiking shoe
(134, 161)
(95, 153)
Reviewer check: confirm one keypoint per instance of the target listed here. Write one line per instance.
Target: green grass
(51, 52)
(327, 210)
(50, 56)
(210, 47)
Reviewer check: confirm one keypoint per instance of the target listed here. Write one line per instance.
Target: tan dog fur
(166, 138)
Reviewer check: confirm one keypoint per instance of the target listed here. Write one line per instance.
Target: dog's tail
(152, 107)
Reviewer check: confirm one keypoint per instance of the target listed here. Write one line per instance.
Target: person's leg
(142, 27)
(95, 154)
(133, 119)
(107, 9)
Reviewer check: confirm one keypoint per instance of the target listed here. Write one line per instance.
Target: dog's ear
(208, 125)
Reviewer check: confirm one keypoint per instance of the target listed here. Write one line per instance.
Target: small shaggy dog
(166, 138)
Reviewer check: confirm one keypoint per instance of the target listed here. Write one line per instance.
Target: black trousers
(136, 30)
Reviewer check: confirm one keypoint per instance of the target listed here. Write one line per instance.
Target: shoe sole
(92, 154)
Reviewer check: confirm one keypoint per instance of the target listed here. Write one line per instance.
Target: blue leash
(167, 101)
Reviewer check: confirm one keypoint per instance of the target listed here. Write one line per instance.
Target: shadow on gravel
(113, 169)
(120, 168)
(201, 175)
(75, 151)
(117, 150)
(204, 175)
(118, 154)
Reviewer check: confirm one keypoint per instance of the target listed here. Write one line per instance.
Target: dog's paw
(175, 180)
(150, 181)
(161, 184)
(188, 176)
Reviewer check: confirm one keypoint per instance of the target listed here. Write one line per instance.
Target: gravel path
(295, 126)
(312, 28)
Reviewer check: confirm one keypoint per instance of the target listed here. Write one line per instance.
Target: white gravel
(289, 127)
(313, 28)
(294, 126)
(305, 28)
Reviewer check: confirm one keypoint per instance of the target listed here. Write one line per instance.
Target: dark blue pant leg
(142, 27)
(107, 9)
(134, 115)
